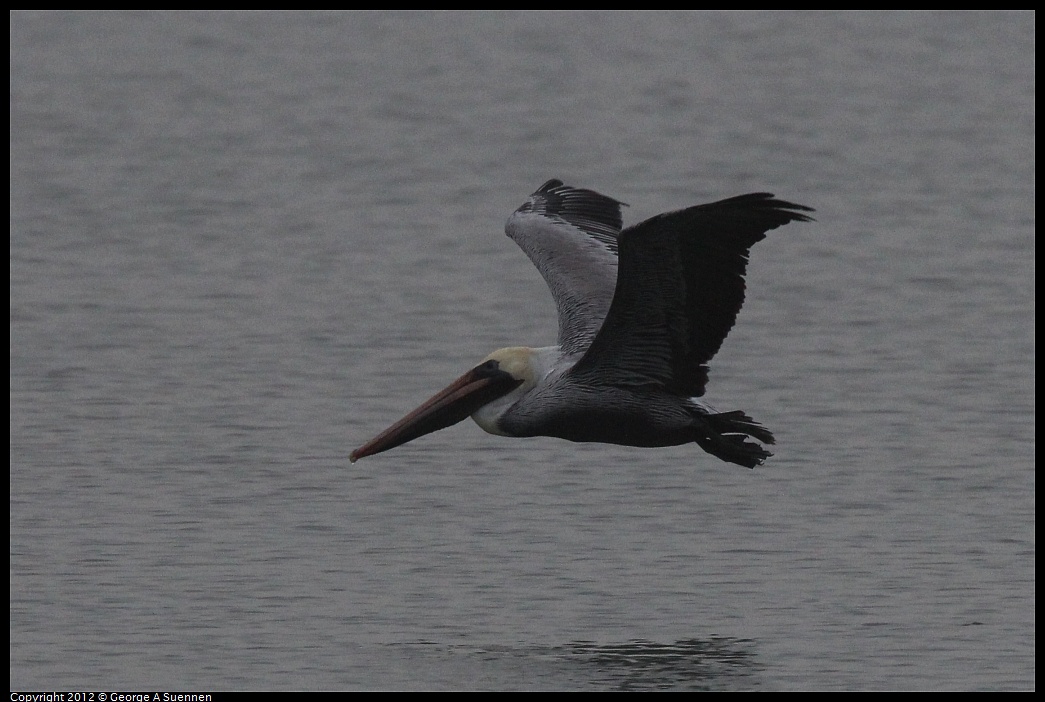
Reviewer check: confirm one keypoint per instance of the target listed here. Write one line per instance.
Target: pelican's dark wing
(680, 285)
(570, 234)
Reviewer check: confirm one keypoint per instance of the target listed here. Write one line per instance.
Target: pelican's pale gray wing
(570, 234)
(680, 286)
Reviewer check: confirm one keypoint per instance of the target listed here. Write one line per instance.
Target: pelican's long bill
(479, 386)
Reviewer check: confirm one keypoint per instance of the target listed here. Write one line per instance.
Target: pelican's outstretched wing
(570, 234)
(679, 288)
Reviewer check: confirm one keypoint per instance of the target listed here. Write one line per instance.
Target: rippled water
(241, 244)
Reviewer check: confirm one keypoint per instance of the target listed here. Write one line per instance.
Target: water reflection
(689, 664)
(716, 663)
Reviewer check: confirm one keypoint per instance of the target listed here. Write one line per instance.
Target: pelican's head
(484, 392)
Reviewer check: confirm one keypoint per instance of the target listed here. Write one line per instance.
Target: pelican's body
(641, 312)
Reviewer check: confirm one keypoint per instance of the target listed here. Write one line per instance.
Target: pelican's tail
(724, 435)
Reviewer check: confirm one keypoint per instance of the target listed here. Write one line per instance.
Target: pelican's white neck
(531, 366)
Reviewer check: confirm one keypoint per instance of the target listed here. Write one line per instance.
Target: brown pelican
(641, 313)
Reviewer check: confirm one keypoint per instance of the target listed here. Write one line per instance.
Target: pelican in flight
(641, 311)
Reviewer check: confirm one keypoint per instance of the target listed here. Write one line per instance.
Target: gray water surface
(242, 244)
